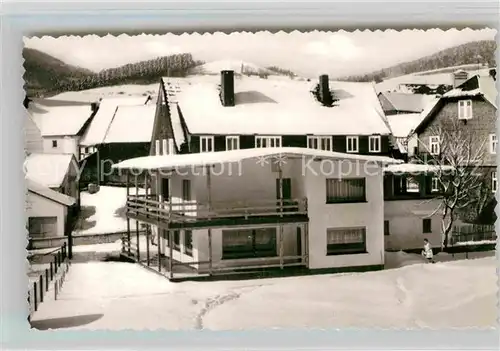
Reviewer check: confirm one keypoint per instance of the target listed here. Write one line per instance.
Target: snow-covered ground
(106, 203)
(112, 295)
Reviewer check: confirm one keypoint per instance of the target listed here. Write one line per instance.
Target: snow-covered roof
(407, 102)
(177, 125)
(415, 168)
(96, 132)
(402, 125)
(48, 193)
(61, 120)
(279, 107)
(478, 85)
(48, 169)
(222, 157)
(131, 124)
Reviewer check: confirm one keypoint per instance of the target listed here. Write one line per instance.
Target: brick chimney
(227, 88)
(459, 77)
(324, 95)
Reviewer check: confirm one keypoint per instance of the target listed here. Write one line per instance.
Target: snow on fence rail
(39, 289)
(473, 234)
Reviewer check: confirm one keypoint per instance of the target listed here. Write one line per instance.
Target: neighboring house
(473, 104)
(403, 103)
(435, 82)
(33, 142)
(263, 207)
(47, 213)
(61, 127)
(59, 172)
(122, 128)
(250, 112)
(410, 207)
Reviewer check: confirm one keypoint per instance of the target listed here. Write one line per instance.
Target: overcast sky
(308, 54)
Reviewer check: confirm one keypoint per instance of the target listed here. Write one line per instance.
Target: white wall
(406, 223)
(65, 145)
(253, 181)
(39, 206)
(322, 216)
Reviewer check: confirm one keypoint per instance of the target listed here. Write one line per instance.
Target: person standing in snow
(427, 251)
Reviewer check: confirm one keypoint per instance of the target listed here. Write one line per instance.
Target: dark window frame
(344, 199)
(348, 248)
(426, 225)
(54, 143)
(186, 190)
(188, 242)
(252, 249)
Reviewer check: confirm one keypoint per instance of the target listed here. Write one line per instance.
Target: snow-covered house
(59, 172)
(61, 126)
(403, 103)
(122, 128)
(47, 213)
(248, 112)
(411, 206)
(261, 207)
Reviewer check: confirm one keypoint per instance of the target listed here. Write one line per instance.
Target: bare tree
(458, 156)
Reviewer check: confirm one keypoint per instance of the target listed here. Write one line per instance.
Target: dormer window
(465, 109)
(267, 141)
(320, 142)
(207, 143)
(352, 144)
(232, 142)
(374, 142)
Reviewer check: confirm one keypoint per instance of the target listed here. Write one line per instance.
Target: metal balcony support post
(126, 212)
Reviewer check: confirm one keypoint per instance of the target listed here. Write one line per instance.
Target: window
(465, 109)
(165, 189)
(374, 142)
(157, 147)
(345, 190)
(188, 242)
(352, 144)
(166, 237)
(435, 184)
(164, 147)
(42, 227)
(386, 228)
(232, 143)
(177, 240)
(319, 143)
(267, 141)
(186, 190)
(341, 241)
(248, 243)
(86, 150)
(493, 143)
(434, 145)
(412, 185)
(494, 182)
(206, 144)
(426, 225)
(54, 143)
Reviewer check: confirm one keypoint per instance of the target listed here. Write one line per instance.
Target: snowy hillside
(238, 66)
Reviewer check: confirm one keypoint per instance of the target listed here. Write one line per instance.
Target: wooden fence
(56, 274)
(472, 234)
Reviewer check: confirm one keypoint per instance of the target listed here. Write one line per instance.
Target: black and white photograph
(262, 180)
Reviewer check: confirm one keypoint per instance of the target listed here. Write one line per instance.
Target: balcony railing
(149, 208)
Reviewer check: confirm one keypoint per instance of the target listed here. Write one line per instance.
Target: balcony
(193, 214)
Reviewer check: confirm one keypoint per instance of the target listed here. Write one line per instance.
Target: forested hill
(469, 53)
(46, 75)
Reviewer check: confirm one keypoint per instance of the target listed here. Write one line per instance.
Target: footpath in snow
(115, 295)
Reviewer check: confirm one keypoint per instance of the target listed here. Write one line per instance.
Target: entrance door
(286, 192)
